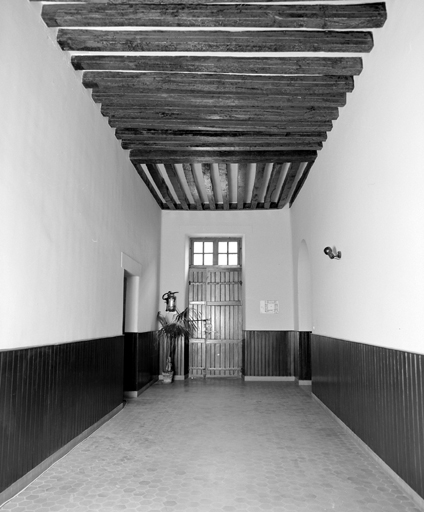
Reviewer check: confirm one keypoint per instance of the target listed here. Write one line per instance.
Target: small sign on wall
(269, 307)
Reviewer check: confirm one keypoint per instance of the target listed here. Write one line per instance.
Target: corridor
(217, 446)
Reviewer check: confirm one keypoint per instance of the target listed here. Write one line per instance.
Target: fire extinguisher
(170, 301)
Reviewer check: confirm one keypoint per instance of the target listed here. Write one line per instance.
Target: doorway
(131, 284)
(215, 295)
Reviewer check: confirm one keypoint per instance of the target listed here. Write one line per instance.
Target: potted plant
(174, 326)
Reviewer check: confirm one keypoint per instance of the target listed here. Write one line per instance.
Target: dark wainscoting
(270, 353)
(181, 359)
(141, 360)
(379, 394)
(304, 361)
(51, 394)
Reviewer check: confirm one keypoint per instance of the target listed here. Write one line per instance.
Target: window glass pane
(208, 259)
(222, 247)
(233, 247)
(197, 259)
(222, 259)
(208, 248)
(233, 259)
(198, 246)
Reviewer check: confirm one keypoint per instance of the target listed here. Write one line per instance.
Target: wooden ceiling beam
(211, 64)
(204, 136)
(161, 185)
(333, 98)
(207, 178)
(176, 184)
(211, 137)
(229, 146)
(170, 2)
(300, 182)
(257, 185)
(235, 146)
(328, 17)
(191, 182)
(223, 83)
(214, 41)
(190, 127)
(272, 184)
(196, 100)
(241, 114)
(221, 141)
(224, 170)
(241, 184)
(288, 183)
(209, 156)
(148, 184)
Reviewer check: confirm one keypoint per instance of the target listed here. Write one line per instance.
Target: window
(215, 252)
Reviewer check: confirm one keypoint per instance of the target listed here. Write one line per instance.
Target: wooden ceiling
(221, 104)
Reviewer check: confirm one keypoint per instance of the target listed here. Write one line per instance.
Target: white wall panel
(365, 195)
(267, 258)
(70, 201)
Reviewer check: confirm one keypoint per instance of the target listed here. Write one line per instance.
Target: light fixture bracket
(333, 254)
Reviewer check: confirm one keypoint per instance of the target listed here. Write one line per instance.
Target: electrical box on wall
(269, 307)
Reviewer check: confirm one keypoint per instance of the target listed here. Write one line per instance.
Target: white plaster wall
(70, 201)
(267, 258)
(365, 195)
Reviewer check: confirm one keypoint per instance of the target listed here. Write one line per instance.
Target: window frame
(215, 241)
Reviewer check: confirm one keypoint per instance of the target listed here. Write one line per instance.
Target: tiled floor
(217, 446)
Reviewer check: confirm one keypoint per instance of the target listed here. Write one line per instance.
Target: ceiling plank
(242, 15)
(161, 184)
(287, 186)
(147, 182)
(175, 181)
(259, 178)
(301, 182)
(272, 184)
(249, 84)
(214, 41)
(196, 100)
(224, 170)
(213, 64)
(207, 178)
(224, 156)
(241, 113)
(189, 176)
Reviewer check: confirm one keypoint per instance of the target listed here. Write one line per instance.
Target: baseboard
(26, 480)
(305, 383)
(268, 379)
(135, 394)
(415, 497)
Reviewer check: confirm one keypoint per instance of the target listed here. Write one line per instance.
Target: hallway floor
(217, 446)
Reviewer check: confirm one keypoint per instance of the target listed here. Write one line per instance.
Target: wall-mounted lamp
(170, 301)
(332, 253)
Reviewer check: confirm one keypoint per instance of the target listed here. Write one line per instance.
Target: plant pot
(167, 377)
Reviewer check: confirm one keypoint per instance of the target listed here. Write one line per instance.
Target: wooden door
(215, 295)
